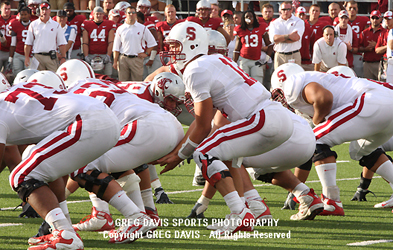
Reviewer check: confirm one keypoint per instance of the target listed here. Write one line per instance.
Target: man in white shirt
(128, 52)
(69, 32)
(44, 36)
(329, 51)
(286, 32)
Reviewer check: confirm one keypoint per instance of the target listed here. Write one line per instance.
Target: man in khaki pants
(128, 52)
(44, 36)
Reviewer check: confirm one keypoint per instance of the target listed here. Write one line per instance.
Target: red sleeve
(355, 40)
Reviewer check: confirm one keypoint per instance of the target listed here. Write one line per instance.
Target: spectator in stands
(57, 4)
(107, 5)
(381, 46)
(329, 50)
(114, 16)
(249, 42)
(348, 36)
(286, 32)
(237, 17)
(204, 10)
(33, 5)
(75, 21)
(97, 37)
(18, 31)
(69, 32)
(333, 10)
(367, 43)
(215, 13)
(5, 20)
(128, 52)
(144, 6)
(305, 50)
(316, 24)
(229, 26)
(44, 37)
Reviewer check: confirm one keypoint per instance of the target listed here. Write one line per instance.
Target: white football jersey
(344, 90)
(232, 91)
(126, 106)
(29, 113)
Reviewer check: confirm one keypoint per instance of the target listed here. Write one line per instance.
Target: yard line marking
(368, 242)
(10, 224)
(200, 189)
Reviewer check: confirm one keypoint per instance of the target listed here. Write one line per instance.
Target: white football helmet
(217, 43)
(73, 70)
(203, 4)
(48, 78)
(186, 40)
(122, 6)
(97, 63)
(145, 3)
(24, 75)
(342, 71)
(165, 85)
(283, 72)
(4, 84)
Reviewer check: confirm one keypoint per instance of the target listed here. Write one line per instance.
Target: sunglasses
(131, 12)
(286, 9)
(375, 18)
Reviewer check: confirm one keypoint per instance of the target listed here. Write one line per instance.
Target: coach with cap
(128, 52)
(44, 36)
(286, 32)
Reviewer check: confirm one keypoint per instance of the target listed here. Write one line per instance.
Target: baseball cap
(375, 13)
(61, 13)
(226, 12)
(301, 9)
(343, 13)
(68, 6)
(45, 5)
(388, 15)
(114, 12)
(98, 9)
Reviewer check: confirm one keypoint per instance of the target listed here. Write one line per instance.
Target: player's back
(125, 105)
(232, 91)
(31, 112)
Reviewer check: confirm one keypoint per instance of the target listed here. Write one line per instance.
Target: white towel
(347, 37)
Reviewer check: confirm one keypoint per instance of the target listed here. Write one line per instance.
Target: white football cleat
(138, 225)
(96, 221)
(259, 209)
(243, 221)
(385, 204)
(309, 206)
(61, 240)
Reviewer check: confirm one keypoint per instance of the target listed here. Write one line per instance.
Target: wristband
(153, 54)
(187, 149)
(10, 59)
(236, 52)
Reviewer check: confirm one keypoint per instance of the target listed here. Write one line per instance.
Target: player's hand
(88, 59)
(28, 211)
(115, 65)
(142, 55)
(107, 59)
(170, 161)
(27, 62)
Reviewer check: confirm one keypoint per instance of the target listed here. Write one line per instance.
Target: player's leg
(156, 185)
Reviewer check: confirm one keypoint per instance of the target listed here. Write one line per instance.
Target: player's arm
(111, 37)
(12, 157)
(13, 44)
(160, 40)
(269, 46)
(236, 51)
(85, 42)
(317, 66)
(321, 99)
(161, 69)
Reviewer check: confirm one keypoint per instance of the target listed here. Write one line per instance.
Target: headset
(330, 26)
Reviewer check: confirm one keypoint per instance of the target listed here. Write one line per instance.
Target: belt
(371, 61)
(288, 53)
(44, 54)
(129, 56)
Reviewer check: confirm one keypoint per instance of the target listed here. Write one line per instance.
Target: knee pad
(218, 176)
(117, 175)
(204, 161)
(266, 177)
(139, 169)
(27, 187)
(369, 161)
(129, 182)
(92, 180)
(306, 166)
(323, 151)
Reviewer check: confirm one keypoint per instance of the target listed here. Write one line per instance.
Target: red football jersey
(251, 40)
(21, 33)
(98, 35)
(261, 20)
(382, 40)
(357, 25)
(76, 23)
(211, 24)
(92, 13)
(149, 18)
(369, 35)
(316, 30)
(7, 31)
(164, 28)
(305, 50)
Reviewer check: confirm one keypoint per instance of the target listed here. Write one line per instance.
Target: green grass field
(361, 221)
